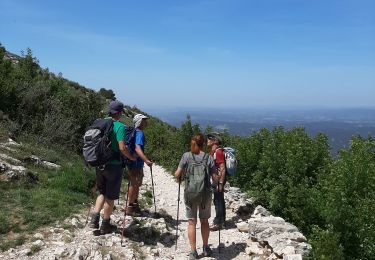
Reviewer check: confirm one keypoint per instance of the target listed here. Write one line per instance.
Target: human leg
(100, 185)
(216, 204)
(192, 234)
(205, 231)
(113, 176)
(221, 208)
(135, 181)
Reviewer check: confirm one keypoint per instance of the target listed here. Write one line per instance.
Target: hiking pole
(153, 190)
(126, 206)
(220, 209)
(93, 190)
(219, 235)
(90, 206)
(178, 208)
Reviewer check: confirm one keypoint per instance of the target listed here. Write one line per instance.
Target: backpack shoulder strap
(205, 158)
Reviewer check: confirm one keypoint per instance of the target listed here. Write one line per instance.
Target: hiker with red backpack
(108, 164)
(136, 167)
(214, 141)
(198, 169)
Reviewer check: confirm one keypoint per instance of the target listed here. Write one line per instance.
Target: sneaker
(207, 251)
(107, 227)
(94, 222)
(193, 255)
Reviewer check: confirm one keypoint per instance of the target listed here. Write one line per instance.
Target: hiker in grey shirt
(200, 165)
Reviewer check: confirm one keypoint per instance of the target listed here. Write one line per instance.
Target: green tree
(107, 93)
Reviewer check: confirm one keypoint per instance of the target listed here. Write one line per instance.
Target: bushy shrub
(44, 106)
(347, 197)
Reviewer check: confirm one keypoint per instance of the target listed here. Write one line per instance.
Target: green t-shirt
(118, 134)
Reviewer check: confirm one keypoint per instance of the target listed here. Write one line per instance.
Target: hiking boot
(193, 255)
(207, 251)
(130, 211)
(216, 227)
(94, 222)
(107, 227)
(136, 208)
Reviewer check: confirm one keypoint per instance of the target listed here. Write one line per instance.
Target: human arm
(221, 177)
(124, 151)
(220, 162)
(140, 153)
(178, 172)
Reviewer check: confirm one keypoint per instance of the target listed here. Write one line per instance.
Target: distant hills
(338, 124)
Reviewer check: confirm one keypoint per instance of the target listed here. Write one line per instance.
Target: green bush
(326, 245)
(42, 104)
(347, 197)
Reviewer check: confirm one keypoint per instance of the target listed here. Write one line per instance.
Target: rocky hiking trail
(250, 233)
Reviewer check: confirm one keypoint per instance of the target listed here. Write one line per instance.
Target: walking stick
(221, 217)
(219, 233)
(126, 206)
(93, 190)
(178, 208)
(153, 191)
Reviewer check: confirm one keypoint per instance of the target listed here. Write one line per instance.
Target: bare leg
(205, 231)
(133, 193)
(108, 208)
(99, 203)
(192, 233)
(134, 175)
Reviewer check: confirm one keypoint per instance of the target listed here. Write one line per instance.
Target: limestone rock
(292, 257)
(243, 227)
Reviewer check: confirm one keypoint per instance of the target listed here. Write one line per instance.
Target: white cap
(138, 119)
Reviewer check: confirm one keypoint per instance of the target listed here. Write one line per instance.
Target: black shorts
(108, 181)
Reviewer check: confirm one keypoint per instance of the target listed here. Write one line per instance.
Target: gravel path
(146, 237)
(233, 242)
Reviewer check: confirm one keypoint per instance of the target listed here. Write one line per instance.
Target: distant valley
(338, 124)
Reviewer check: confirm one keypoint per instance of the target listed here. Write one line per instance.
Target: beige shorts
(204, 209)
(136, 177)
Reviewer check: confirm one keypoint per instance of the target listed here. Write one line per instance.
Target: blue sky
(242, 53)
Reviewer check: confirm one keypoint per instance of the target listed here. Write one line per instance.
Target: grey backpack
(97, 149)
(197, 180)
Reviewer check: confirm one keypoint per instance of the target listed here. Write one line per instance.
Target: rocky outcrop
(273, 237)
(12, 169)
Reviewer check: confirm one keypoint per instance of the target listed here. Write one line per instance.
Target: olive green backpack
(197, 180)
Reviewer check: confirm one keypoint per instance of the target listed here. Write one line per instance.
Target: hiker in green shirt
(109, 177)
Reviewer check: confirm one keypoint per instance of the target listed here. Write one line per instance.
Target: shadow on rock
(143, 231)
(228, 252)
(243, 213)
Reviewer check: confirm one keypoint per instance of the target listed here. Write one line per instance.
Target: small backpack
(97, 149)
(130, 143)
(197, 180)
(230, 160)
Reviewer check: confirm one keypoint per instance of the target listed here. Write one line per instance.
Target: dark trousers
(219, 203)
